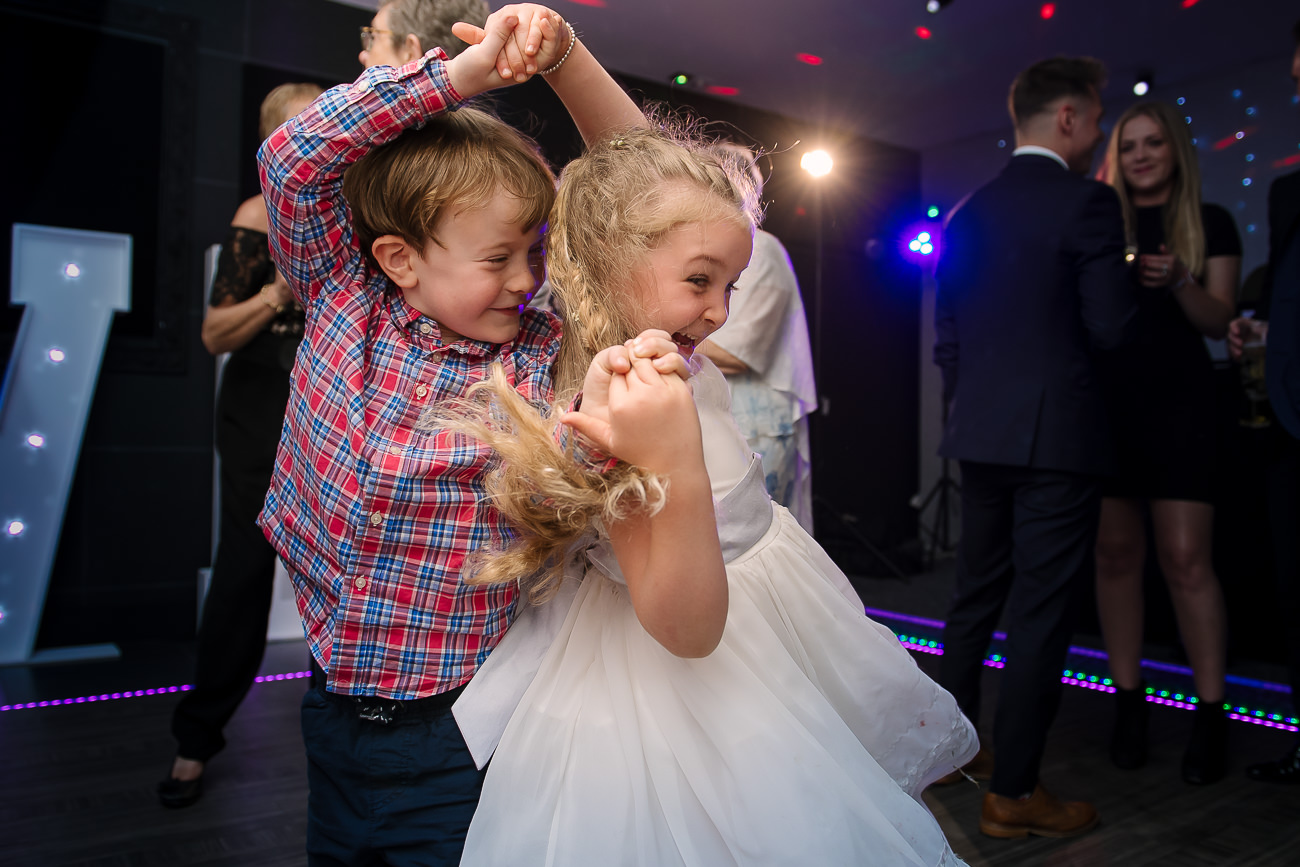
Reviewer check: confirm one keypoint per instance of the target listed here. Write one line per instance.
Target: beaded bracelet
(573, 37)
(266, 299)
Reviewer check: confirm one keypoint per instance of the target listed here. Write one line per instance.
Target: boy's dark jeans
(399, 792)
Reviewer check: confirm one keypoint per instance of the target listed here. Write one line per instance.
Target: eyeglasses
(368, 36)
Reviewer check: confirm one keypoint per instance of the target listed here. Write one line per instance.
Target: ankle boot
(1206, 759)
(1128, 740)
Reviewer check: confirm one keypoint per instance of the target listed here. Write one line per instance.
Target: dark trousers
(1027, 540)
(400, 793)
(232, 633)
(1284, 522)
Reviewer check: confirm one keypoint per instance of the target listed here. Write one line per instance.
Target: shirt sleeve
(1221, 237)
(302, 163)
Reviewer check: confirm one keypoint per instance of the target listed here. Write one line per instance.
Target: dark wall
(150, 128)
(133, 119)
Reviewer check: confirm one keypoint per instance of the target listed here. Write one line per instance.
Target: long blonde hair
(615, 204)
(1184, 229)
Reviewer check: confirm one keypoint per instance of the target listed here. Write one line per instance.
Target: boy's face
(477, 281)
(691, 274)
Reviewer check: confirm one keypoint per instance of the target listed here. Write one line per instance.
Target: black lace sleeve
(243, 267)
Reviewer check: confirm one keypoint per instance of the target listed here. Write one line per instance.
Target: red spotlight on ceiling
(810, 59)
(924, 32)
(1047, 10)
(722, 90)
(1286, 161)
(599, 4)
(1188, 4)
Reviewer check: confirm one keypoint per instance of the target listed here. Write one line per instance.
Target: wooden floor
(77, 781)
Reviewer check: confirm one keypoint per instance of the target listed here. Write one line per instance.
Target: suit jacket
(1281, 301)
(1032, 282)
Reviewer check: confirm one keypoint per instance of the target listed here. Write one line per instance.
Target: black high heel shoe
(1206, 759)
(1128, 740)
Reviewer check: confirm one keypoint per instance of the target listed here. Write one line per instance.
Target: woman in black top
(1187, 262)
(251, 315)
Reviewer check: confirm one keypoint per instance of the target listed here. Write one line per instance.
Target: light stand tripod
(942, 494)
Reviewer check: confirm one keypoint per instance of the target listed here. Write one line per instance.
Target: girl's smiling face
(689, 277)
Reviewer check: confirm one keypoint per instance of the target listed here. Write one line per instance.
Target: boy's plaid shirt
(373, 517)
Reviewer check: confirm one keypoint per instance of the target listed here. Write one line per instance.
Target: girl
(1163, 413)
(711, 697)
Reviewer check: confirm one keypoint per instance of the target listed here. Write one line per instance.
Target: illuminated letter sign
(71, 282)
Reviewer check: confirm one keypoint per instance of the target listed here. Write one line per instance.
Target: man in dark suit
(1277, 325)
(1032, 282)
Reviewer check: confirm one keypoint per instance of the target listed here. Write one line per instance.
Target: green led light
(1092, 679)
(1193, 699)
(1069, 673)
(1107, 681)
(933, 643)
(932, 212)
(1178, 695)
(1151, 690)
(681, 78)
(1164, 693)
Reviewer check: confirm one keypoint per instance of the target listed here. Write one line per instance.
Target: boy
(414, 268)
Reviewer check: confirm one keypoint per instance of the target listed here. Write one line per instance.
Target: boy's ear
(394, 256)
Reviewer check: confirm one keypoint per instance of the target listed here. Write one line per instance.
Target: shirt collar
(1035, 150)
(423, 332)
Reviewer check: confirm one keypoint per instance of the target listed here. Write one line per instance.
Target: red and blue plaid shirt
(373, 517)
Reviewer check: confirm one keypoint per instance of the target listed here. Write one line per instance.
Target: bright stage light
(1142, 85)
(817, 163)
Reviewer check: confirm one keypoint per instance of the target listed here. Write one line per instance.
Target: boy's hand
(657, 346)
(593, 418)
(535, 37)
(651, 420)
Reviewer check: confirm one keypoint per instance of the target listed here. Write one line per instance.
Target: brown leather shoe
(980, 767)
(1040, 814)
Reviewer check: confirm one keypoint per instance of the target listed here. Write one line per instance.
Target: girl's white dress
(805, 738)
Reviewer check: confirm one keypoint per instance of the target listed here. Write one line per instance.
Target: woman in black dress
(1187, 264)
(251, 315)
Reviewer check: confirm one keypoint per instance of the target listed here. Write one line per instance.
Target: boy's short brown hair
(457, 160)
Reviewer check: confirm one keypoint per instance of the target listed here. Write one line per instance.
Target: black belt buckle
(380, 712)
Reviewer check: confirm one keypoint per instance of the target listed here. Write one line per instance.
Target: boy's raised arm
(594, 100)
(302, 163)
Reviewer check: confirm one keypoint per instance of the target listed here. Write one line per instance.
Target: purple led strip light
(935, 648)
(137, 693)
(1096, 683)
(1091, 652)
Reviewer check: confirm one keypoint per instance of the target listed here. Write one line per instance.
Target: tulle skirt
(805, 738)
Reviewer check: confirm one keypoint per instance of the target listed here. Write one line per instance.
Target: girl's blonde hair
(1184, 229)
(614, 206)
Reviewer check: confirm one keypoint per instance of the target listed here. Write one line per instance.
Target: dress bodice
(740, 500)
(726, 452)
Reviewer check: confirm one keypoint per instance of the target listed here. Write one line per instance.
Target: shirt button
(376, 518)
(421, 391)
(395, 449)
(426, 328)
(360, 583)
